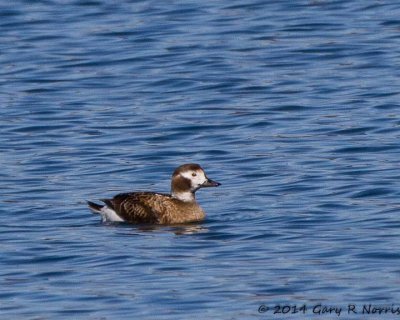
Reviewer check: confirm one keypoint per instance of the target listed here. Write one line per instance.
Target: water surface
(292, 106)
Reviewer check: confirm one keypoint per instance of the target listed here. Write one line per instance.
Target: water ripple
(292, 106)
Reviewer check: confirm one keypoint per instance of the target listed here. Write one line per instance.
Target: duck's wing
(135, 207)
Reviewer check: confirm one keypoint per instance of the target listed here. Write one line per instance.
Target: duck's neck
(180, 189)
(184, 196)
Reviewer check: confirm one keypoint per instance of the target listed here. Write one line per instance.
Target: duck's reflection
(179, 229)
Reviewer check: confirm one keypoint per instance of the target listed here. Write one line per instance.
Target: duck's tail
(96, 208)
(107, 213)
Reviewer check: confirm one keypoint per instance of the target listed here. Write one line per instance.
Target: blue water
(292, 105)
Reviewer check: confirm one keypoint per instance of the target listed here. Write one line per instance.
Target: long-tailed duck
(157, 208)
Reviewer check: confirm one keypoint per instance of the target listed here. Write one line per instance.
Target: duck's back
(155, 208)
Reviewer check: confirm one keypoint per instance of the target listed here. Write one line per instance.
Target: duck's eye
(194, 174)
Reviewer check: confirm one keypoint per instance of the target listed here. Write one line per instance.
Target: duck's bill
(210, 183)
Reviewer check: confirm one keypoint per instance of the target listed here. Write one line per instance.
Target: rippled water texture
(292, 105)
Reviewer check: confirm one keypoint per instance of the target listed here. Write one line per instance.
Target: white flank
(110, 215)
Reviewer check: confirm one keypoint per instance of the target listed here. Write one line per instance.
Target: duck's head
(187, 179)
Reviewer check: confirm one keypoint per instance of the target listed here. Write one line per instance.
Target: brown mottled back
(155, 208)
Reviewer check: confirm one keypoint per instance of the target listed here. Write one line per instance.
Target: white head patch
(196, 178)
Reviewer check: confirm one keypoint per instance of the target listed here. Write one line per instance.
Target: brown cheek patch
(181, 184)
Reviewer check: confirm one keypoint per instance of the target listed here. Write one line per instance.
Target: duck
(178, 207)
